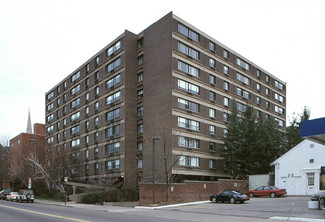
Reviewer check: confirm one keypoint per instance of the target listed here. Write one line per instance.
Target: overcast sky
(43, 41)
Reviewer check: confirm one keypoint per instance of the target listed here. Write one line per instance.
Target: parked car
(266, 191)
(4, 193)
(26, 195)
(12, 196)
(231, 196)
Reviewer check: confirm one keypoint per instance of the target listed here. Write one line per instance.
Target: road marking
(297, 219)
(44, 214)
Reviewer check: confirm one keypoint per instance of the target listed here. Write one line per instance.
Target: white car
(13, 196)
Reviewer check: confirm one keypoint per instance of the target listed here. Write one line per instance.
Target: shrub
(111, 195)
(92, 198)
(129, 194)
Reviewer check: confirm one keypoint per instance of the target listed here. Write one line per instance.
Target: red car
(266, 191)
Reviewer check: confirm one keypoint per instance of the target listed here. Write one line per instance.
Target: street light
(153, 167)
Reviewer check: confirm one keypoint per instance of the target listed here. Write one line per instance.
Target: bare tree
(162, 128)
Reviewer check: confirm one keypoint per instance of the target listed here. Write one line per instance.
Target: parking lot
(254, 209)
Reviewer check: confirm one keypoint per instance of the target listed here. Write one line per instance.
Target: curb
(172, 205)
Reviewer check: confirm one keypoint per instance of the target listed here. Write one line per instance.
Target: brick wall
(188, 191)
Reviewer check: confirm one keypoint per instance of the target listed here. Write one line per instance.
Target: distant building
(22, 145)
(107, 111)
(300, 169)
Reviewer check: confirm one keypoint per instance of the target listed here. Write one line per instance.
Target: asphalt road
(36, 212)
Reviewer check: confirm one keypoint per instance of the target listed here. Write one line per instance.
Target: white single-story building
(299, 170)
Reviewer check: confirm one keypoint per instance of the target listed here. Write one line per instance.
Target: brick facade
(189, 191)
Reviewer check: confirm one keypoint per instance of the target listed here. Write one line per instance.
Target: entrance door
(297, 189)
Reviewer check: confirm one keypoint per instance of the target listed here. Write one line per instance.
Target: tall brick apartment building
(107, 111)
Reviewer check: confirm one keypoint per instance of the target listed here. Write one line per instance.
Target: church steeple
(29, 124)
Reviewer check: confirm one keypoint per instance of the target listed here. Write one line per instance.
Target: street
(256, 209)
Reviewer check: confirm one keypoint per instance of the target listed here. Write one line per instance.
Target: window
(50, 95)
(225, 132)
(140, 111)
(75, 143)
(50, 129)
(311, 160)
(87, 67)
(212, 96)
(278, 97)
(212, 113)
(96, 136)
(188, 32)
(86, 154)
(113, 98)
(113, 48)
(140, 94)
(188, 124)
(75, 116)
(75, 103)
(226, 86)
(191, 88)
(50, 106)
(267, 78)
(96, 106)
(243, 93)
(258, 114)
(86, 139)
(113, 81)
(243, 79)
(112, 131)
(75, 76)
(112, 148)
(242, 64)
(258, 100)
(111, 66)
(75, 130)
(278, 85)
(226, 101)
(212, 46)
(226, 70)
(212, 146)
(49, 140)
(50, 118)
(112, 164)
(225, 54)
(212, 164)
(212, 79)
(188, 142)
(267, 91)
(241, 107)
(140, 60)
(113, 114)
(310, 179)
(279, 122)
(188, 50)
(140, 43)
(96, 121)
(212, 130)
(278, 110)
(140, 128)
(188, 105)
(258, 87)
(87, 125)
(258, 73)
(96, 76)
(97, 60)
(87, 110)
(140, 146)
(188, 161)
(225, 117)
(188, 69)
(87, 96)
(140, 77)
(267, 104)
(97, 91)
(212, 63)
(140, 162)
(64, 122)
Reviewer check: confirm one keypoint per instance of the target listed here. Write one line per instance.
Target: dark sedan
(231, 196)
(4, 193)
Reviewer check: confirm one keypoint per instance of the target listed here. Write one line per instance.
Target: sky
(43, 41)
